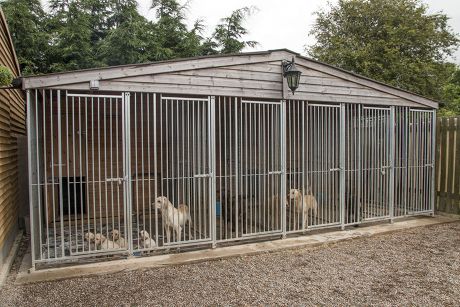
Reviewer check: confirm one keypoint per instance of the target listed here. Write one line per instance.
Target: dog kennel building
(225, 136)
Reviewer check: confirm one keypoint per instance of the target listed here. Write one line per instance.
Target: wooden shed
(213, 150)
(12, 126)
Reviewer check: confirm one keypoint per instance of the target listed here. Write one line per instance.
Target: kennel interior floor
(419, 266)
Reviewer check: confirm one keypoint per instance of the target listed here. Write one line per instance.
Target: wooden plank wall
(256, 80)
(448, 165)
(12, 124)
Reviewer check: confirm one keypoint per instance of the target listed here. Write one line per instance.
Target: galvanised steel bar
(282, 120)
(391, 193)
(69, 209)
(40, 182)
(342, 165)
(61, 199)
(359, 195)
(212, 155)
(304, 144)
(32, 199)
(433, 160)
(52, 165)
(127, 175)
(237, 168)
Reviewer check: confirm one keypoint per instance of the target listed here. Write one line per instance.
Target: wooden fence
(448, 165)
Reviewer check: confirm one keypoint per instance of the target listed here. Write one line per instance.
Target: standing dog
(118, 239)
(172, 217)
(101, 240)
(145, 241)
(303, 203)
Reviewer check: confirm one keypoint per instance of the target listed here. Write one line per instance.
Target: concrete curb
(309, 241)
(10, 259)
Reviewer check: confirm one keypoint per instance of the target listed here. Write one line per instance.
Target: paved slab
(310, 240)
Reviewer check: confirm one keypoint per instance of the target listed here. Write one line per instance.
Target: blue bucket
(218, 208)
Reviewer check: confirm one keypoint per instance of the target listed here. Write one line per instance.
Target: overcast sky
(283, 24)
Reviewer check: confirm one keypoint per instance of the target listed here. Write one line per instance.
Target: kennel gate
(248, 168)
(313, 163)
(98, 161)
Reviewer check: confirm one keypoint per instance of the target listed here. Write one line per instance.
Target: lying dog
(145, 241)
(89, 236)
(303, 202)
(101, 241)
(118, 239)
(172, 217)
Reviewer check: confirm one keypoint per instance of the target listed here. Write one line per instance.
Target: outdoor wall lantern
(292, 74)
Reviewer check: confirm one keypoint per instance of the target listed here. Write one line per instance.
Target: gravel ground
(414, 267)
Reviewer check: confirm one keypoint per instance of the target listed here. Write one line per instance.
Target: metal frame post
(391, 190)
(433, 161)
(237, 173)
(61, 199)
(127, 170)
(212, 154)
(29, 158)
(283, 165)
(342, 165)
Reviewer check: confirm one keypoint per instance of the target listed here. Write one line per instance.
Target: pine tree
(228, 34)
(26, 20)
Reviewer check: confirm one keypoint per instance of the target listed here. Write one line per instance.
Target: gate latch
(202, 176)
(383, 168)
(118, 180)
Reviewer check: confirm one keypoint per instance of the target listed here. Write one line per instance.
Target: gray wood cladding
(254, 75)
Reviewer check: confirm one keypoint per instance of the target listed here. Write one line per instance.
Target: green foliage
(78, 34)
(394, 41)
(6, 76)
(451, 95)
(26, 21)
(72, 36)
(228, 35)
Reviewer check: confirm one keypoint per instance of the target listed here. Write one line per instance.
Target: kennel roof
(255, 75)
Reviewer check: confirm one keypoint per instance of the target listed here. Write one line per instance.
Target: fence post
(283, 166)
(342, 165)
(391, 190)
(433, 160)
(61, 199)
(212, 166)
(127, 169)
(31, 194)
